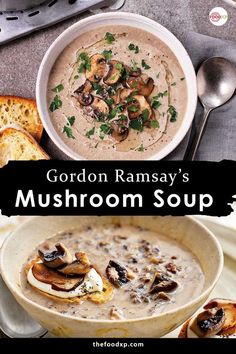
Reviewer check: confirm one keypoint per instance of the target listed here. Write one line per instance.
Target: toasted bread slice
(21, 111)
(17, 144)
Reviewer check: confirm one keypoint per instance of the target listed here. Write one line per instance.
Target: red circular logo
(215, 16)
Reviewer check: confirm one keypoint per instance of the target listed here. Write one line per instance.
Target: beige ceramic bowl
(186, 230)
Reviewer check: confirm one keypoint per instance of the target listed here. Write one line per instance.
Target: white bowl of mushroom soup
(116, 86)
(111, 276)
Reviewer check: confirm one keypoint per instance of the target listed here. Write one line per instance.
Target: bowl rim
(200, 298)
(190, 79)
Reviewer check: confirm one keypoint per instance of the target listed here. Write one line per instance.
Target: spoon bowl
(216, 82)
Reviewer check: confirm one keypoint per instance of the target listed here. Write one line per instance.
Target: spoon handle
(195, 142)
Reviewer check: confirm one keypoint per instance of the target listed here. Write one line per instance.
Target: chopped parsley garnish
(76, 77)
(134, 65)
(122, 117)
(109, 38)
(155, 103)
(173, 114)
(98, 88)
(71, 120)
(133, 47)
(158, 75)
(109, 101)
(141, 148)
(56, 104)
(133, 108)
(145, 65)
(120, 107)
(90, 132)
(136, 124)
(105, 129)
(162, 94)
(58, 88)
(173, 84)
(154, 124)
(68, 127)
(68, 131)
(119, 67)
(125, 73)
(130, 99)
(85, 62)
(112, 114)
(107, 54)
(145, 114)
(182, 78)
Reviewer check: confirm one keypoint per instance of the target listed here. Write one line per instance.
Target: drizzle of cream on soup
(133, 48)
(140, 251)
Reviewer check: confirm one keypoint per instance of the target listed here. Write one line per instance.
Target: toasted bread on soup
(17, 144)
(21, 111)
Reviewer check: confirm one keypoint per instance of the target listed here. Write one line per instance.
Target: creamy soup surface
(132, 103)
(143, 253)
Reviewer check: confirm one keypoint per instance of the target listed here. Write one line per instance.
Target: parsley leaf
(173, 114)
(155, 103)
(109, 38)
(145, 65)
(136, 124)
(133, 108)
(107, 54)
(68, 131)
(112, 114)
(67, 128)
(120, 67)
(58, 88)
(141, 148)
(56, 104)
(122, 117)
(85, 62)
(155, 124)
(98, 88)
(145, 114)
(109, 101)
(133, 47)
(134, 65)
(162, 94)
(130, 99)
(71, 120)
(90, 132)
(105, 129)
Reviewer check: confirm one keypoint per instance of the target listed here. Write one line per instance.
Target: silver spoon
(14, 321)
(216, 81)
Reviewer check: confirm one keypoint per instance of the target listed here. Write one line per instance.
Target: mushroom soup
(117, 92)
(111, 272)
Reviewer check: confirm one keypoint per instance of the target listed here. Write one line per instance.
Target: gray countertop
(20, 59)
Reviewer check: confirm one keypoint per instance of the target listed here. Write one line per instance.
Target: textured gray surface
(20, 60)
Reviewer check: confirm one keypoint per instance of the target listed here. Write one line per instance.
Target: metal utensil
(216, 80)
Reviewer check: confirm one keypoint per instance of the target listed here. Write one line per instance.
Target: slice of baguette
(21, 111)
(17, 144)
